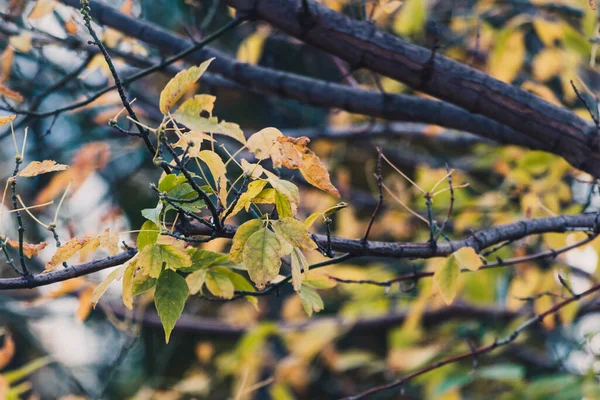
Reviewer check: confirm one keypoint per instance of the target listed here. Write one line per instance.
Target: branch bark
(311, 91)
(362, 45)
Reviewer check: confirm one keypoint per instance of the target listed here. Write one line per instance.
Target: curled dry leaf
(36, 168)
(29, 249)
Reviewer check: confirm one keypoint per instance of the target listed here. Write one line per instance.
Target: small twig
(379, 202)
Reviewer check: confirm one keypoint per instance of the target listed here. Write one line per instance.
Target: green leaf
(180, 84)
(204, 258)
(219, 284)
(196, 280)
(262, 256)
(168, 182)
(142, 283)
(152, 258)
(26, 370)
(242, 234)
(446, 279)
(239, 283)
(502, 372)
(148, 235)
(311, 301)
(294, 232)
(169, 298)
(153, 214)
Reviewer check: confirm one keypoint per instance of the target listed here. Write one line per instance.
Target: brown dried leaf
(29, 249)
(36, 168)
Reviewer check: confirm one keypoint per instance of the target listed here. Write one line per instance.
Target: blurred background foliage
(365, 335)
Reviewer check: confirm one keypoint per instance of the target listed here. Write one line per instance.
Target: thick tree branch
(311, 91)
(361, 44)
(479, 240)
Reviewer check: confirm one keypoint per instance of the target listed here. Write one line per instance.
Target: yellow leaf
(264, 144)
(6, 63)
(66, 251)
(180, 84)
(7, 351)
(240, 238)
(547, 64)
(21, 42)
(467, 258)
(291, 150)
(110, 241)
(197, 104)
(85, 304)
(262, 256)
(198, 123)
(542, 91)
(128, 275)
(6, 120)
(218, 170)
(103, 286)
(408, 358)
(11, 94)
(38, 168)
(298, 264)
(42, 8)
(252, 46)
(446, 279)
(508, 55)
(245, 200)
(288, 190)
(316, 174)
(411, 18)
(29, 249)
(549, 32)
(294, 232)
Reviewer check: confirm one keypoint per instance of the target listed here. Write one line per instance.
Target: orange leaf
(6, 63)
(85, 304)
(6, 120)
(7, 351)
(67, 287)
(11, 94)
(65, 252)
(316, 174)
(36, 168)
(42, 8)
(29, 249)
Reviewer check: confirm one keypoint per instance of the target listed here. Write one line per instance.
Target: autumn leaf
(316, 174)
(298, 264)
(288, 190)
(251, 48)
(218, 170)
(446, 279)
(219, 284)
(116, 274)
(85, 304)
(180, 84)
(152, 258)
(211, 124)
(466, 257)
(294, 232)
(22, 42)
(42, 8)
(264, 144)
(245, 200)
(7, 351)
(6, 120)
(193, 142)
(29, 249)
(262, 256)
(240, 238)
(11, 94)
(66, 251)
(6, 62)
(311, 301)
(38, 168)
(198, 104)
